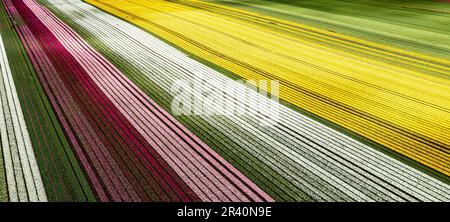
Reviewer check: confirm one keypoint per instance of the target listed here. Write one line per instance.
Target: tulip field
(87, 101)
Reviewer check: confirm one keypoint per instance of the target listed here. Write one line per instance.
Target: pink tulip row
(130, 148)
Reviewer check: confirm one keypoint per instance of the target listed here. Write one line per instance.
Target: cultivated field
(87, 92)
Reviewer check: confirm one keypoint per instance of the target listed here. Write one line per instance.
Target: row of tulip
(129, 148)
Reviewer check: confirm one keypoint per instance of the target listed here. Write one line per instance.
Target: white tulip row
(318, 162)
(24, 182)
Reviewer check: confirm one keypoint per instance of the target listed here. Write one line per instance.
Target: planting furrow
(296, 159)
(99, 105)
(22, 172)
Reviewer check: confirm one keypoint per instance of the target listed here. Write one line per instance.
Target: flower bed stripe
(421, 26)
(90, 95)
(61, 174)
(22, 172)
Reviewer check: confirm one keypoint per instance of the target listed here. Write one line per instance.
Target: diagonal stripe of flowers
(130, 148)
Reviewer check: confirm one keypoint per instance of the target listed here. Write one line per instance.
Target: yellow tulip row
(397, 98)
